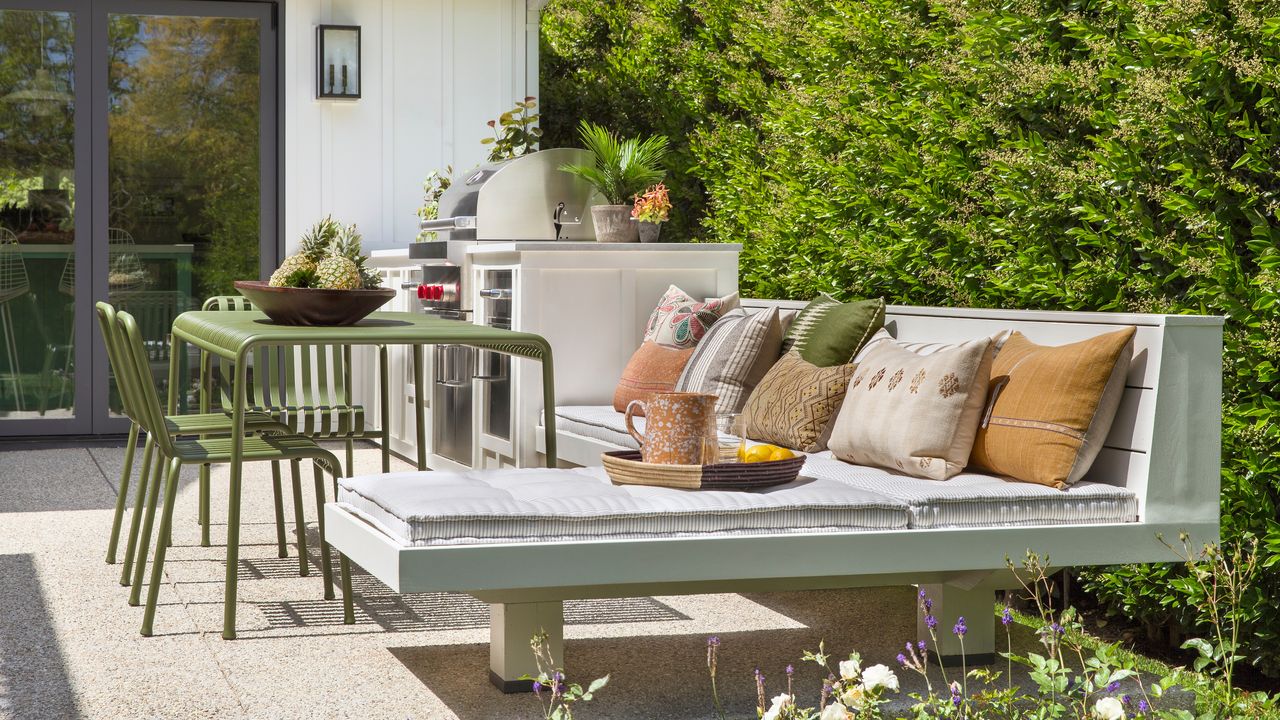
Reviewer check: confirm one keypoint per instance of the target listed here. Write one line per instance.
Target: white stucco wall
(434, 72)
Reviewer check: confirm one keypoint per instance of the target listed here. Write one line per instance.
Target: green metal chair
(178, 425)
(307, 388)
(145, 403)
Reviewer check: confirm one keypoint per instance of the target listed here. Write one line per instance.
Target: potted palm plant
(622, 169)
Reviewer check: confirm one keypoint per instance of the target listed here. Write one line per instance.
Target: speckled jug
(680, 428)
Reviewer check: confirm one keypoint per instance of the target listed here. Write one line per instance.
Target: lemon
(759, 453)
(781, 453)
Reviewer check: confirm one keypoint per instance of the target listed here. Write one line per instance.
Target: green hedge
(1084, 155)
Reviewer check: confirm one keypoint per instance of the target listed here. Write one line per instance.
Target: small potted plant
(432, 188)
(652, 208)
(622, 169)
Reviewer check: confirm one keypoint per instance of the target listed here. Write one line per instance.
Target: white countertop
(485, 248)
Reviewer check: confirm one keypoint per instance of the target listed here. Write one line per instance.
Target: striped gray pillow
(733, 357)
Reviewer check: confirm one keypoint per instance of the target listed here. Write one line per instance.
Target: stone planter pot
(649, 231)
(613, 224)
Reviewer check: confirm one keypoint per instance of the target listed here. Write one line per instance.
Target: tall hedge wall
(1089, 155)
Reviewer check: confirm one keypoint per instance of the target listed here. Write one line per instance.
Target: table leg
(419, 408)
(385, 408)
(238, 400)
(206, 382)
(549, 406)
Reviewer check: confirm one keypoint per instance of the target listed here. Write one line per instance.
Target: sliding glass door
(172, 132)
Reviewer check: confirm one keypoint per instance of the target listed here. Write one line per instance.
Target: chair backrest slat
(146, 400)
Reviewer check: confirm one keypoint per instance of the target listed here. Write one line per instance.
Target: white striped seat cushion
(974, 500)
(598, 422)
(488, 506)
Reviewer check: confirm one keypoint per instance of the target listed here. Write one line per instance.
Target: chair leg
(157, 566)
(326, 568)
(139, 505)
(11, 349)
(203, 518)
(299, 521)
(123, 493)
(348, 601)
(282, 546)
(148, 521)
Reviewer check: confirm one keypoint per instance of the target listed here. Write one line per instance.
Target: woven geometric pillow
(681, 321)
(794, 403)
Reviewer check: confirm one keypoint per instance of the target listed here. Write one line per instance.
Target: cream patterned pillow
(914, 413)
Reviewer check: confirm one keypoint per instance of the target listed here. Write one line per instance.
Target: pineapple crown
(329, 238)
(317, 240)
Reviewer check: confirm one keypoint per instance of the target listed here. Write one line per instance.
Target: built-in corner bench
(524, 541)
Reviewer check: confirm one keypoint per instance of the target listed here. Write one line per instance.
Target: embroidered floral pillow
(681, 321)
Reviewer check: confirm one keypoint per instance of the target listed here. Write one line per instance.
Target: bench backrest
(1165, 443)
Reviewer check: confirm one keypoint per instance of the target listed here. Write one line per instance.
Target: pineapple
(347, 245)
(291, 265)
(317, 241)
(337, 273)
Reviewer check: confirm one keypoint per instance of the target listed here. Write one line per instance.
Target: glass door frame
(90, 147)
(270, 213)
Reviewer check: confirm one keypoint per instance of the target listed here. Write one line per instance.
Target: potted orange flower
(652, 208)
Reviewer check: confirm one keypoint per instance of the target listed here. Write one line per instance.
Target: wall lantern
(338, 61)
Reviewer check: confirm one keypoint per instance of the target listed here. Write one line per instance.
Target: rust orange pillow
(652, 369)
(1051, 407)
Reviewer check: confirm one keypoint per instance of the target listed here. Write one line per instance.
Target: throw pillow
(681, 321)
(794, 403)
(912, 412)
(828, 332)
(733, 357)
(922, 348)
(1052, 407)
(653, 368)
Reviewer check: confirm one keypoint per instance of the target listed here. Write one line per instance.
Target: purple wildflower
(902, 659)
(713, 641)
(928, 605)
(955, 694)
(790, 670)
(1126, 699)
(921, 646)
(1113, 686)
(1143, 706)
(558, 676)
(1006, 618)
(1057, 629)
(931, 622)
(960, 629)
(537, 688)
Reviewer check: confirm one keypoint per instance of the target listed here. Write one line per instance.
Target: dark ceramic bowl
(312, 306)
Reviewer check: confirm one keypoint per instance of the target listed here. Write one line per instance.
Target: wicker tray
(625, 468)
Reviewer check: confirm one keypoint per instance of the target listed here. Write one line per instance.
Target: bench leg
(950, 603)
(511, 627)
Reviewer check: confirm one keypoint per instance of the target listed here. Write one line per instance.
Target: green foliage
(518, 134)
(1113, 155)
(622, 168)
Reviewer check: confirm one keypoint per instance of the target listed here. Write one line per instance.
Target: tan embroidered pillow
(1053, 407)
(794, 403)
(914, 413)
(652, 368)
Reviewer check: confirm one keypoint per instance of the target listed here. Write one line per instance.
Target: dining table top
(229, 334)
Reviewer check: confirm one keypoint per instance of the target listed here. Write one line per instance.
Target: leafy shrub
(1081, 155)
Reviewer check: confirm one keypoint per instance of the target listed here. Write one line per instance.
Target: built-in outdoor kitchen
(516, 247)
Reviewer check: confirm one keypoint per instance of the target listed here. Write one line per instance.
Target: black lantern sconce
(338, 61)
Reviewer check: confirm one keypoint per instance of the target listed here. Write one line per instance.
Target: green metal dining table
(234, 336)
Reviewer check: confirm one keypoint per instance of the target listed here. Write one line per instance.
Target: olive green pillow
(828, 332)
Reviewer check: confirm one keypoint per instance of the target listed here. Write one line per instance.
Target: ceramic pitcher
(680, 428)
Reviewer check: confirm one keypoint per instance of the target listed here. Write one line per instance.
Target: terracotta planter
(649, 231)
(613, 224)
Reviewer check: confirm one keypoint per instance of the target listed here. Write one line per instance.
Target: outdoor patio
(69, 643)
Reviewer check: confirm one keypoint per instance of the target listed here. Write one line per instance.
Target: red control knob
(423, 292)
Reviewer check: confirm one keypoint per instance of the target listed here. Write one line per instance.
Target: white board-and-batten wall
(434, 71)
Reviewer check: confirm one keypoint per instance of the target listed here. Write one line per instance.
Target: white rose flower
(834, 711)
(879, 676)
(849, 669)
(1108, 708)
(854, 698)
(775, 709)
